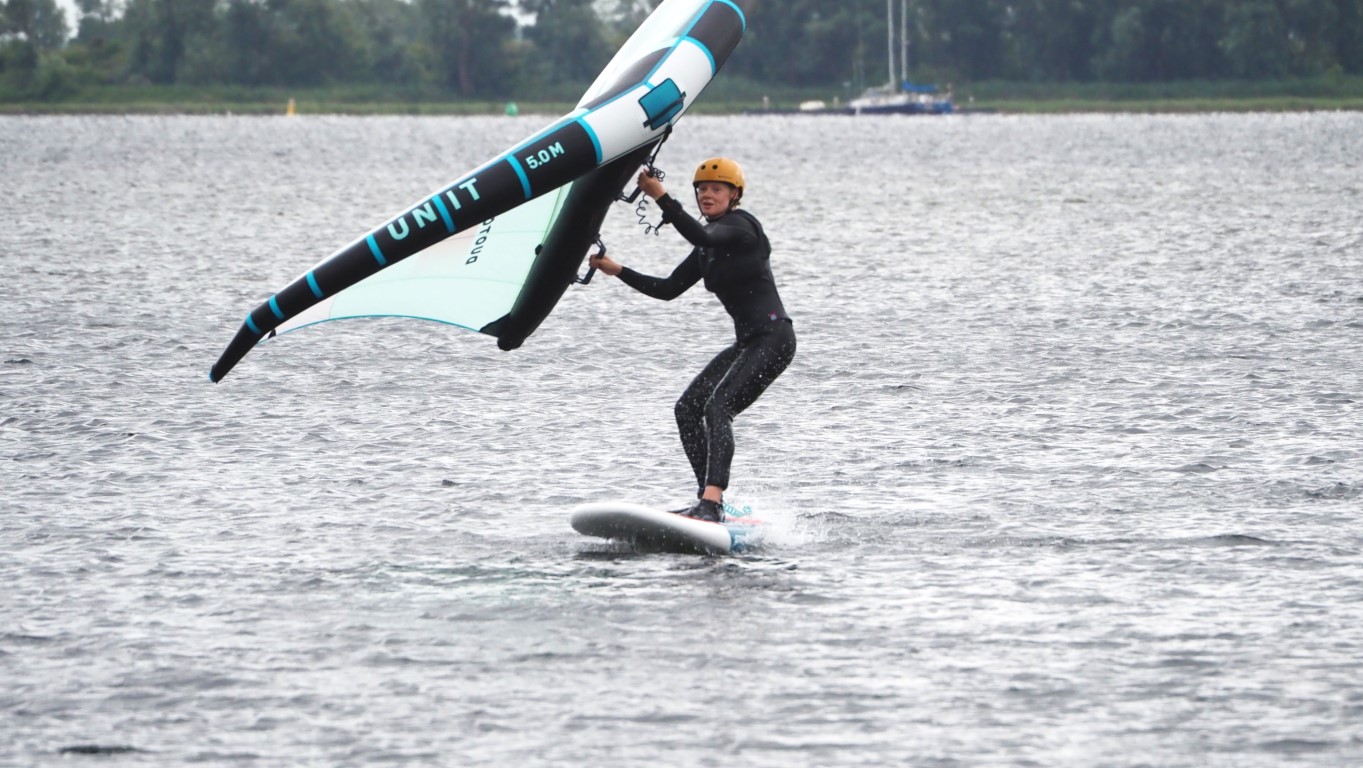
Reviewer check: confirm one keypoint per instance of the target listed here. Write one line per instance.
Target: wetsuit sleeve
(684, 276)
(720, 234)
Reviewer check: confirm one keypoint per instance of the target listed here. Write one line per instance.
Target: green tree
(571, 44)
(1055, 40)
(1161, 40)
(1255, 41)
(814, 42)
(967, 36)
(624, 16)
(246, 31)
(98, 18)
(31, 31)
(471, 41)
(836, 47)
(161, 32)
(317, 42)
(39, 22)
(98, 51)
(398, 52)
(1348, 36)
(1310, 35)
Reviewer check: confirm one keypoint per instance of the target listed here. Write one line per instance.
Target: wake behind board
(657, 531)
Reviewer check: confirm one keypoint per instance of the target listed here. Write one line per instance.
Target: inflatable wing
(495, 250)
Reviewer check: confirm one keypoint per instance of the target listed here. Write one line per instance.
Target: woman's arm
(683, 277)
(720, 234)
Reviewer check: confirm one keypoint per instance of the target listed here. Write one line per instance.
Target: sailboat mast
(903, 42)
(889, 27)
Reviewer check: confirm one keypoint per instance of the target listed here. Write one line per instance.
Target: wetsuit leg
(759, 362)
(690, 411)
(756, 364)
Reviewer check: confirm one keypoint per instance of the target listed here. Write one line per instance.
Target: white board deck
(655, 530)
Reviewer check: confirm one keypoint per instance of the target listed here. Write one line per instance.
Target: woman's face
(714, 198)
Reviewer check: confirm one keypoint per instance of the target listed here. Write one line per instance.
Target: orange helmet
(720, 169)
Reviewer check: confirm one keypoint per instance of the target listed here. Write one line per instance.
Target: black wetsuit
(733, 257)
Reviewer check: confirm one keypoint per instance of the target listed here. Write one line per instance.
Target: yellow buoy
(289, 112)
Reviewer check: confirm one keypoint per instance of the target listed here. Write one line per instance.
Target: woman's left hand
(651, 186)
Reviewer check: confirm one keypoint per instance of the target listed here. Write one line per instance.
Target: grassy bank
(724, 96)
(1327, 93)
(155, 100)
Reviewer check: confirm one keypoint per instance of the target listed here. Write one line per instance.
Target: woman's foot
(704, 509)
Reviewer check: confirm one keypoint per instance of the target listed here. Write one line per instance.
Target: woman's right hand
(603, 263)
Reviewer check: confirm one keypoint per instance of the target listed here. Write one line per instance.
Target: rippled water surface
(1068, 471)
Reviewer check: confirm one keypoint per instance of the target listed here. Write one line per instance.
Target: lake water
(1068, 470)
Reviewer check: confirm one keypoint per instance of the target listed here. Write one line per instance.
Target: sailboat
(902, 97)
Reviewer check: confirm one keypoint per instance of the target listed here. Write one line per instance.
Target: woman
(733, 256)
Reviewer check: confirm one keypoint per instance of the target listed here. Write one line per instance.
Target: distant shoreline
(1324, 94)
(466, 109)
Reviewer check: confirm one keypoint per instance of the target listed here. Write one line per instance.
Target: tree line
(553, 48)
